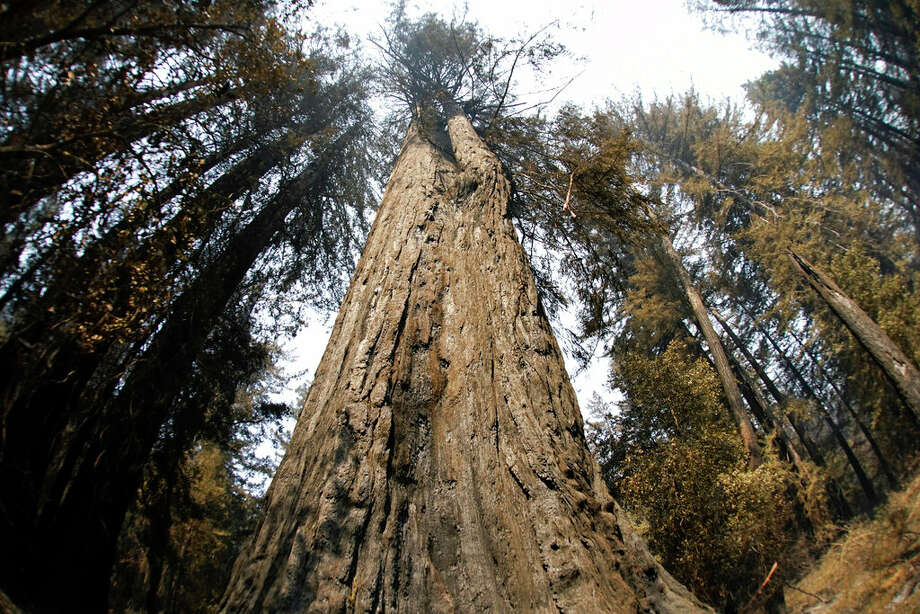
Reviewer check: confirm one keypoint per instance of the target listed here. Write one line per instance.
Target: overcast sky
(655, 46)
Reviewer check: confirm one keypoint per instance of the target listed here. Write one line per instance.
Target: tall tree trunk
(36, 350)
(760, 409)
(897, 366)
(723, 368)
(764, 412)
(439, 463)
(813, 453)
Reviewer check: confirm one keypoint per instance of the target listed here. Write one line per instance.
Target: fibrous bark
(439, 463)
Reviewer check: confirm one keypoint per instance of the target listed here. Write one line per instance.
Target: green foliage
(815, 201)
(717, 526)
(427, 63)
(577, 208)
(677, 464)
(203, 528)
(654, 306)
(856, 61)
(746, 191)
(682, 390)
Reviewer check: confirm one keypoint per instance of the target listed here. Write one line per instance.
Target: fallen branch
(759, 590)
(804, 592)
(568, 196)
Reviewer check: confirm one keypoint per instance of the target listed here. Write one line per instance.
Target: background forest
(180, 181)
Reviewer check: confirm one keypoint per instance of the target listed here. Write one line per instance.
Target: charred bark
(439, 463)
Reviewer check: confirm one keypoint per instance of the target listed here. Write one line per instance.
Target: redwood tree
(719, 357)
(439, 463)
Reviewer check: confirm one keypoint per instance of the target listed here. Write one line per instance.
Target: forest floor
(873, 568)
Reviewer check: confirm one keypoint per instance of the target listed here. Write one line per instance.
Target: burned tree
(439, 463)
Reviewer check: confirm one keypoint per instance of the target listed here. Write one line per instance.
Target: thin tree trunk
(884, 465)
(778, 397)
(863, 479)
(760, 408)
(439, 463)
(765, 413)
(902, 372)
(896, 365)
(771, 387)
(839, 504)
(45, 370)
(752, 396)
(723, 368)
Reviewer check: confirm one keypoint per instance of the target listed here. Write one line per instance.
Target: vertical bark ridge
(439, 463)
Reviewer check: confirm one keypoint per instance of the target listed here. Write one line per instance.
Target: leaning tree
(439, 463)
